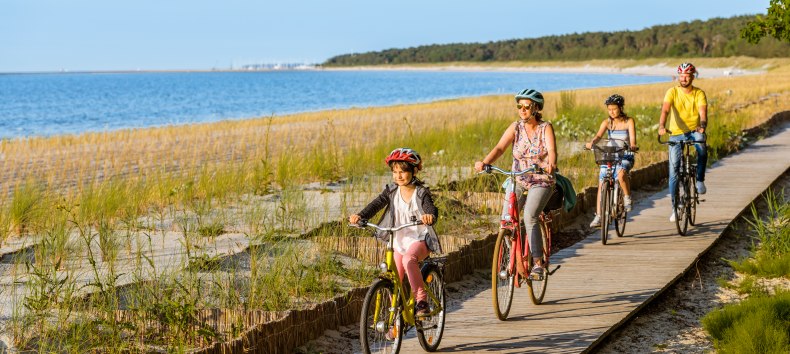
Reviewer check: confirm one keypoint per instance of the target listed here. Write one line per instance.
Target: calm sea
(51, 104)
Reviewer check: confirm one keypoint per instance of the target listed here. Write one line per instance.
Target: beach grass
(105, 201)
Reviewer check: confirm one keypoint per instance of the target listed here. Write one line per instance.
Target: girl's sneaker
(596, 222)
(627, 203)
(422, 308)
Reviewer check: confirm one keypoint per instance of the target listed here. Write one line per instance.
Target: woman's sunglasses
(524, 106)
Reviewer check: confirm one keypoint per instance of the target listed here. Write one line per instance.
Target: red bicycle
(512, 256)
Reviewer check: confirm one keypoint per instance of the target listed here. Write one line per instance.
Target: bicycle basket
(609, 151)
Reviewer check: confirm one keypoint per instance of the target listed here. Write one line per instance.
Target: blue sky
(52, 35)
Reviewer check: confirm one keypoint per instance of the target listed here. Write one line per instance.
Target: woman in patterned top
(532, 142)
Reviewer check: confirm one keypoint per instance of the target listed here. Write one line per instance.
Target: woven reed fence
(286, 331)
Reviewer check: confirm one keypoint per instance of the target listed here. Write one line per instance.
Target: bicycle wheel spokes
(681, 207)
(605, 213)
(381, 325)
(432, 327)
(502, 276)
(620, 213)
(537, 287)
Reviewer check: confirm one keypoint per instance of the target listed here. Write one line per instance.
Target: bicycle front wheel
(620, 214)
(681, 207)
(381, 324)
(502, 278)
(606, 202)
(537, 287)
(432, 327)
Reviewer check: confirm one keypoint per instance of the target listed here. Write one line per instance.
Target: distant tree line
(717, 37)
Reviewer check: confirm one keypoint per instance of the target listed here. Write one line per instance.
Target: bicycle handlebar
(627, 148)
(684, 142)
(491, 169)
(363, 223)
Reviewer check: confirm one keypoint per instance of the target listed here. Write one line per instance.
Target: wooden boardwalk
(600, 287)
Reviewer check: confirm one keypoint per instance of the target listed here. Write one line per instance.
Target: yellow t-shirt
(684, 109)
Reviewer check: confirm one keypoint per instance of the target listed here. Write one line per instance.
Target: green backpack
(568, 193)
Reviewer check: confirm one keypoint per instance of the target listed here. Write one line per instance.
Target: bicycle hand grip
(486, 168)
(658, 137)
(361, 223)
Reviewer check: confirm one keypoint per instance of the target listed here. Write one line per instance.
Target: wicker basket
(609, 151)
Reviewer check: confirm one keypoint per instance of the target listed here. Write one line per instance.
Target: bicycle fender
(427, 268)
(383, 279)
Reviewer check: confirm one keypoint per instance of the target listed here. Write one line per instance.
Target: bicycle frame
(390, 272)
(684, 170)
(609, 189)
(512, 223)
(685, 196)
(611, 185)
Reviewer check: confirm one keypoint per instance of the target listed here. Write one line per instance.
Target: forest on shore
(717, 37)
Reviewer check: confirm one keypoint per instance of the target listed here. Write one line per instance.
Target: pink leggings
(411, 261)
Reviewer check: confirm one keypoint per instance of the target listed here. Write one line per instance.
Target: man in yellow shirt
(687, 109)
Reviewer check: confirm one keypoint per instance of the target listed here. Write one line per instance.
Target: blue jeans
(675, 154)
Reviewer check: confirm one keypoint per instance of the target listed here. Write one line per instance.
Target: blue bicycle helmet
(532, 95)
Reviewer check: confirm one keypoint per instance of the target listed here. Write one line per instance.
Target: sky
(80, 35)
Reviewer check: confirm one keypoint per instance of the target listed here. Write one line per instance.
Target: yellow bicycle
(388, 309)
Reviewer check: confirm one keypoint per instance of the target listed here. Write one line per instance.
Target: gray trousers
(533, 203)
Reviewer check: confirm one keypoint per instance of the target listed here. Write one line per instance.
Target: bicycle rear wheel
(537, 287)
(681, 207)
(620, 214)
(605, 213)
(503, 280)
(381, 324)
(431, 328)
(694, 197)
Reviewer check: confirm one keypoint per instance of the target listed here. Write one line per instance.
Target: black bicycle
(609, 153)
(686, 196)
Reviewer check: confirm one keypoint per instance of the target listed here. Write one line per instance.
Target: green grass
(771, 254)
(760, 324)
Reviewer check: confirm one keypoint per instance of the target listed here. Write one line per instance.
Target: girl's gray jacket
(387, 200)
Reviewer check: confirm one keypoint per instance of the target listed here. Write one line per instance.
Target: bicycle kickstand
(555, 269)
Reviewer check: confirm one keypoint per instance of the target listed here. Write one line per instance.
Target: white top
(404, 210)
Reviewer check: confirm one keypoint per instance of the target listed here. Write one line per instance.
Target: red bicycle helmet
(406, 155)
(687, 68)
